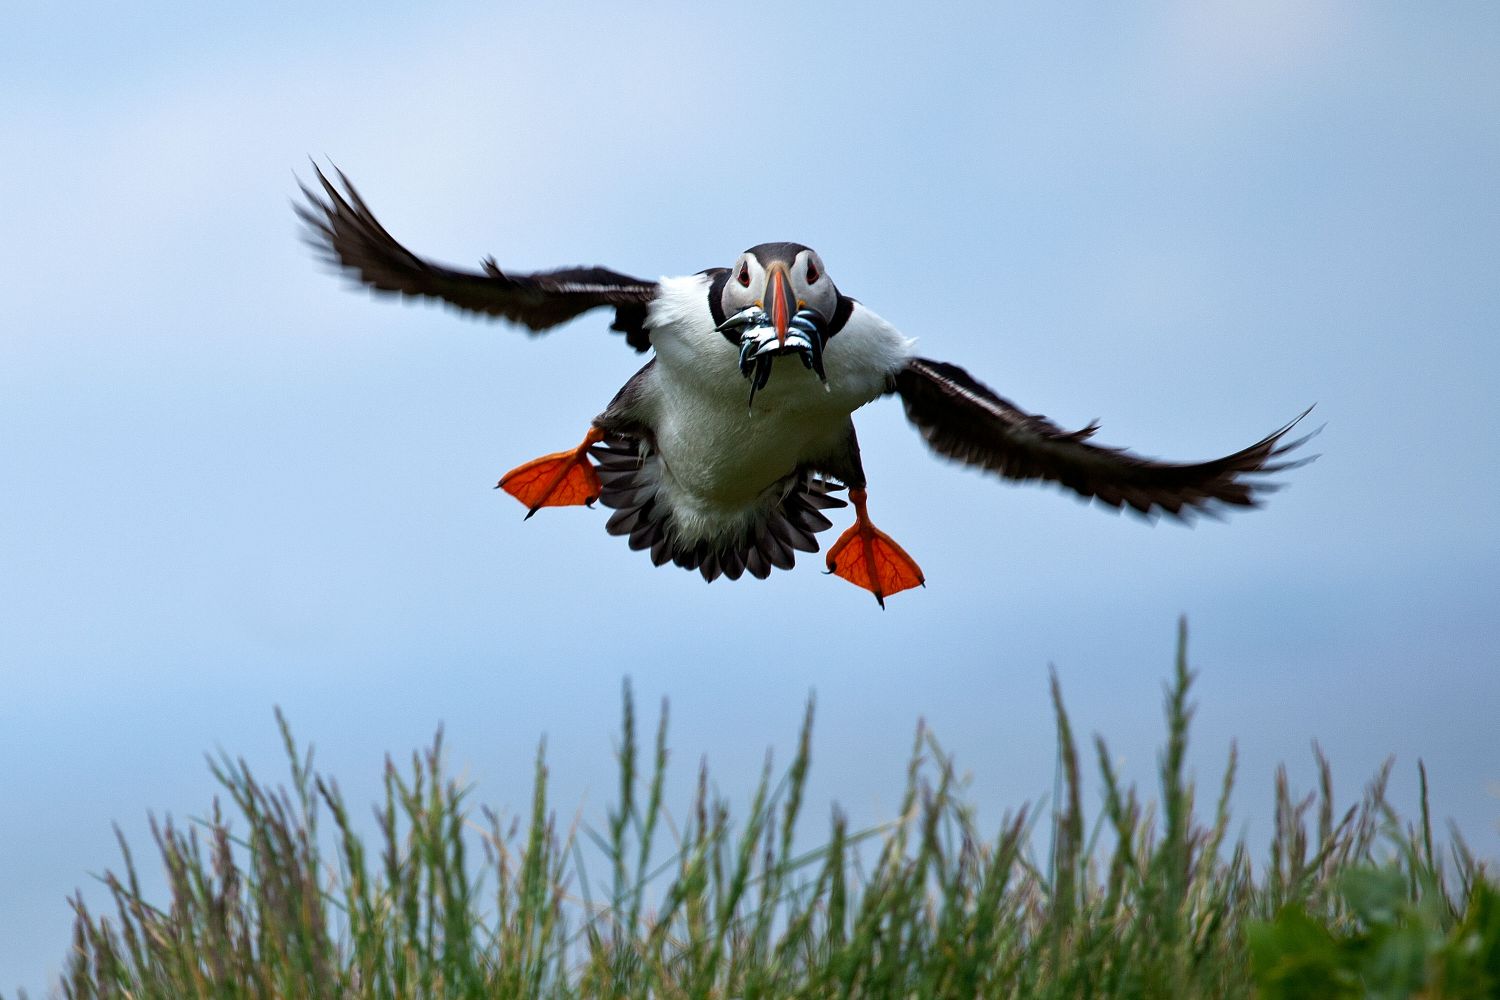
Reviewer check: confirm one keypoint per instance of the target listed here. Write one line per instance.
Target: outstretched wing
(347, 233)
(965, 420)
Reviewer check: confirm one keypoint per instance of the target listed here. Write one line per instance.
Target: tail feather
(631, 485)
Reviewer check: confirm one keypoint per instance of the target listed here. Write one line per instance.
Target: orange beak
(779, 303)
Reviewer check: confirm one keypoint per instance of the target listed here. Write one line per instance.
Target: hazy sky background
(227, 482)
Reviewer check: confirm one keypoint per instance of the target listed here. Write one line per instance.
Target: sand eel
(724, 453)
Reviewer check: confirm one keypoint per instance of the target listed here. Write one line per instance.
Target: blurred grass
(267, 899)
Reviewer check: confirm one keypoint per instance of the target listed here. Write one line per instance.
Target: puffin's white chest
(717, 445)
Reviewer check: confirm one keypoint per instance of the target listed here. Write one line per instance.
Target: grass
(277, 894)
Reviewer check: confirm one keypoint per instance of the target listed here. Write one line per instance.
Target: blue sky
(228, 482)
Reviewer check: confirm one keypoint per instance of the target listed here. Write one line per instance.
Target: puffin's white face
(777, 300)
(776, 276)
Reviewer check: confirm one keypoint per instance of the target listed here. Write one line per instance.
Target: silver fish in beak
(763, 339)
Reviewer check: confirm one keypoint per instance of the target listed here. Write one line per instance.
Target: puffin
(725, 452)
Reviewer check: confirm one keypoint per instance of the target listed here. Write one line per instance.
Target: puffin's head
(779, 279)
(777, 299)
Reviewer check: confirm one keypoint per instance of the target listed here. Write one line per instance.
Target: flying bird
(725, 451)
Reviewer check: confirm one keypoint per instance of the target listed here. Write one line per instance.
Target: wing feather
(344, 230)
(964, 419)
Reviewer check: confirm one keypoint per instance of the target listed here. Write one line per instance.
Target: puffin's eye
(744, 278)
(813, 274)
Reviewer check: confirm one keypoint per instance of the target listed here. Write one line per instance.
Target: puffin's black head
(777, 300)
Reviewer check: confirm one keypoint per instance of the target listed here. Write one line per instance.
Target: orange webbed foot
(867, 557)
(561, 479)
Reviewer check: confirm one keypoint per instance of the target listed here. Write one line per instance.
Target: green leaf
(1295, 956)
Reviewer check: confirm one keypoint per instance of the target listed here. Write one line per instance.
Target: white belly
(719, 447)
